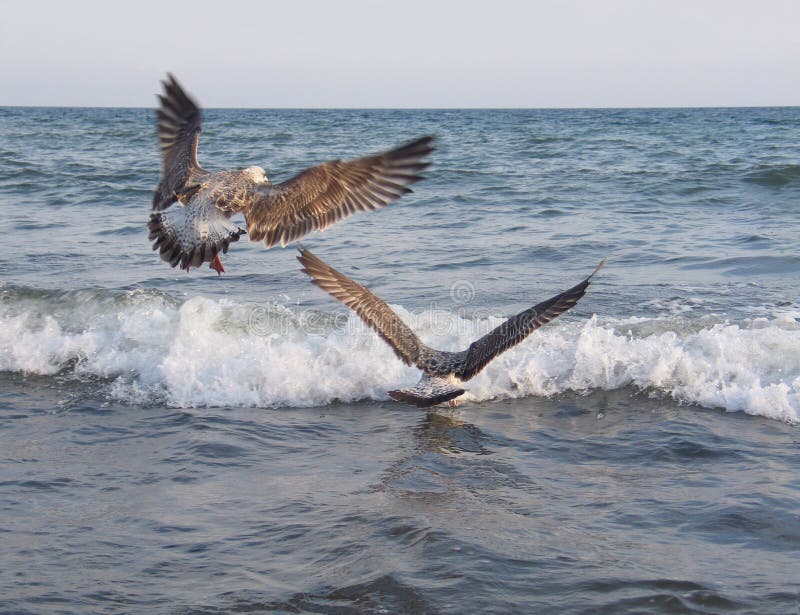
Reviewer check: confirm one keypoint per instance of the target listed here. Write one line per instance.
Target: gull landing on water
(443, 371)
(198, 230)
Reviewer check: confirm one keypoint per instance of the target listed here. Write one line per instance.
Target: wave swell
(150, 347)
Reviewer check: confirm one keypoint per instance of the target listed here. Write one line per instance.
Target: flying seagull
(198, 230)
(442, 371)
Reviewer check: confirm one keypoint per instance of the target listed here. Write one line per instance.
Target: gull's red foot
(216, 265)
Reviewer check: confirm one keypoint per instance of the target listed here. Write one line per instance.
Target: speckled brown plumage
(274, 213)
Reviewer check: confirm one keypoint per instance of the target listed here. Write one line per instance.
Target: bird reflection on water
(446, 433)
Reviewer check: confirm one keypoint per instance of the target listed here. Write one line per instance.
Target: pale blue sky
(409, 53)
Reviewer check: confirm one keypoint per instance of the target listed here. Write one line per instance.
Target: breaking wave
(146, 346)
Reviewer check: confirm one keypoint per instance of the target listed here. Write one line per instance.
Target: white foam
(210, 352)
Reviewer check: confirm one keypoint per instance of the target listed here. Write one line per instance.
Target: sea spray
(148, 346)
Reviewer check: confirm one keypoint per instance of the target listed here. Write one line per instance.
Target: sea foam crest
(152, 348)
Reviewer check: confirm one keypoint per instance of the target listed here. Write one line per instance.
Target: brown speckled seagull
(198, 230)
(442, 371)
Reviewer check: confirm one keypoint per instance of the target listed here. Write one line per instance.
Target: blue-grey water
(181, 443)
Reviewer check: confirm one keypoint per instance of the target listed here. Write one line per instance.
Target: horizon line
(469, 108)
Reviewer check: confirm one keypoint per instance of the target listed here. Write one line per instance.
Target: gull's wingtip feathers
(306, 256)
(598, 268)
(169, 81)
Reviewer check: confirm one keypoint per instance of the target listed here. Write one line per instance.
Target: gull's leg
(216, 265)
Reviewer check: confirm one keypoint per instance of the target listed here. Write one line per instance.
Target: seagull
(198, 230)
(442, 371)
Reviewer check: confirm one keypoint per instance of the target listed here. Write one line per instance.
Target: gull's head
(256, 174)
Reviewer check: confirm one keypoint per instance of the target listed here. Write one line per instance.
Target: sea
(176, 442)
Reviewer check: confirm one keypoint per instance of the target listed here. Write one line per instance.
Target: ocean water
(178, 443)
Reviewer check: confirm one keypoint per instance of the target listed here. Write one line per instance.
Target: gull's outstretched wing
(322, 195)
(518, 327)
(179, 122)
(370, 309)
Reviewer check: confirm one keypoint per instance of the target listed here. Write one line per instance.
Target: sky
(409, 53)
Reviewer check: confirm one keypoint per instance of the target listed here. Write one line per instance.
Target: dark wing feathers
(370, 309)
(518, 327)
(322, 195)
(179, 121)
(408, 346)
